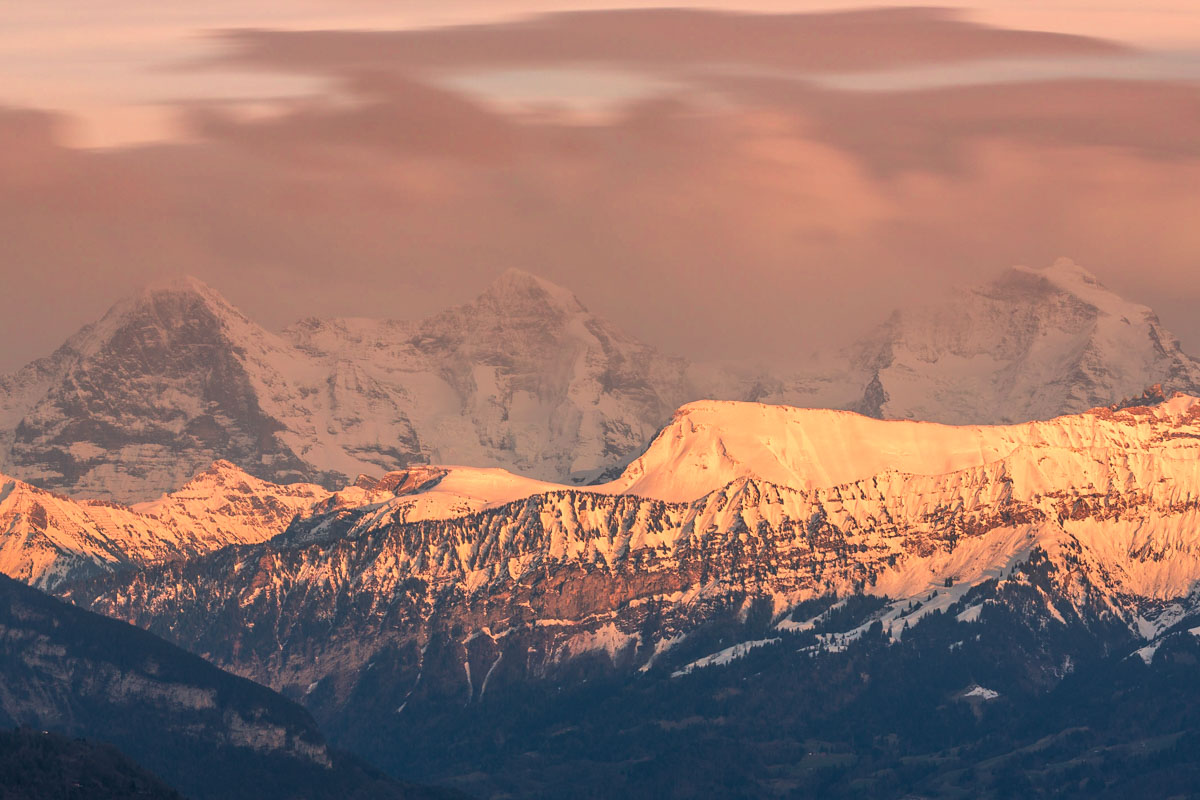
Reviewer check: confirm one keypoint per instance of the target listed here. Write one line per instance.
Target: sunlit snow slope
(46, 538)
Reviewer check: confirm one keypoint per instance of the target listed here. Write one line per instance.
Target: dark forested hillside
(38, 765)
(208, 733)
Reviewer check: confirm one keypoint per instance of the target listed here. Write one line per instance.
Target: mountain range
(49, 538)
(744, 532)
(523, 378)
(506, 550)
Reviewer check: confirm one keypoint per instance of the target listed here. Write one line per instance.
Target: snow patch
(723, 657)
(1146, 654)
(981, 693)
(971, 614)
(608, 639)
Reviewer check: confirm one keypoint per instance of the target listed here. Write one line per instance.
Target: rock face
(1033, 344)
(736, 511)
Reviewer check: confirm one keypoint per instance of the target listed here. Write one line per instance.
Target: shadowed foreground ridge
(206, 732)
(38, 765)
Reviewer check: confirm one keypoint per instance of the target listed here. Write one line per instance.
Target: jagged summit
(179, 294)
(181, 284)
(1068, 277)
(221, 473)
(163, 312)
(1064, 273)
(516, 292)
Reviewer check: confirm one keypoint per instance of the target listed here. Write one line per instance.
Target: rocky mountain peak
(1065, 273)
(221, 473)
(518, 291)
(1031, 344)
(183, 285)
(165, 315)
(177, 297)
(1065, 276)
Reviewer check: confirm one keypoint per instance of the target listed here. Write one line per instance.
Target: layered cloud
(731, 204)
(665, 39)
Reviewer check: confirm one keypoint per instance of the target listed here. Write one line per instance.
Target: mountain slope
(1033, 344)
(208, 733)
(36, 765)
(523, 378)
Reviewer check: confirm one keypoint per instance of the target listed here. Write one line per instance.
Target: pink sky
(109, 63)
(720, 184)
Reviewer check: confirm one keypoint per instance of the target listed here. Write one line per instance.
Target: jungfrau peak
(1032, 344)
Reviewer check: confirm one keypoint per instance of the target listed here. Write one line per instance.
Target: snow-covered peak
(1032, 344)
(1068, 276)
(1064, 272)
(162, 313)
(215, 486)
(709, 444)
(515, 288)
(185, 285)
(222, 471)
(178, 295)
